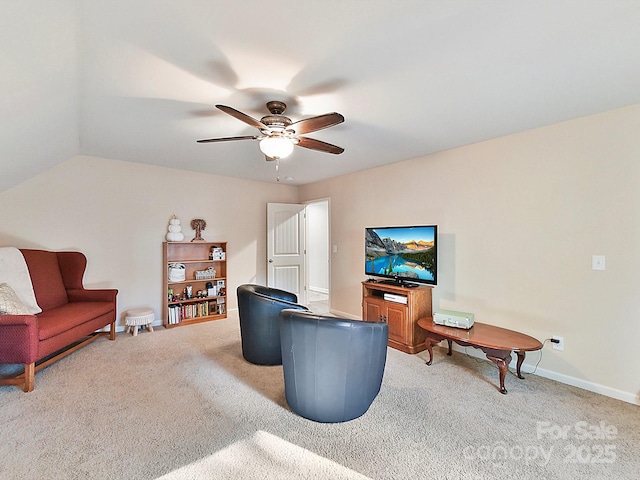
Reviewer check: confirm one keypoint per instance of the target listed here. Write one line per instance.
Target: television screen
(402, 254)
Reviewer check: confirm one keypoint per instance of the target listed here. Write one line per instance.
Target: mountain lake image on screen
(403, 254)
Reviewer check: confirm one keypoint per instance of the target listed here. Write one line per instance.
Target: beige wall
(117, 213)
(519, 220)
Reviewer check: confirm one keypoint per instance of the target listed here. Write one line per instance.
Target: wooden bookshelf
(199, 260)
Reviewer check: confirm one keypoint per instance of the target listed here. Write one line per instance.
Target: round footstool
(139, 317)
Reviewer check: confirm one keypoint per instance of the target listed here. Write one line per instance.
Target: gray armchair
(333, 367)
(258, 309)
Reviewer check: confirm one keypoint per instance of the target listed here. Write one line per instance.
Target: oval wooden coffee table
(497, 343)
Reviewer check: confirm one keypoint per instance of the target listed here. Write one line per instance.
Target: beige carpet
(183, 404)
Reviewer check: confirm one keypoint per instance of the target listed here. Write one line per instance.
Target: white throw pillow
(10, 304)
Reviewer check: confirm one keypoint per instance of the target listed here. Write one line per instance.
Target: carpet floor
(183, 404)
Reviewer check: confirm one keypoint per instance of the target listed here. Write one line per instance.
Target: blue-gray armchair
(259, 308)
(333, 367)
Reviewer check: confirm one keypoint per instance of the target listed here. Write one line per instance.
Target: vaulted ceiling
(138, 80)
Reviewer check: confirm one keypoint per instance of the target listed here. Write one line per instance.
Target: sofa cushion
(46, 278)
(10, 304)
(58, 320)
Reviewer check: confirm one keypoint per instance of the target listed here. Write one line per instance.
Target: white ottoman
(139, 317)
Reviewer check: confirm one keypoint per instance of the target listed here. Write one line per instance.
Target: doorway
(318, 256)
(298, 257)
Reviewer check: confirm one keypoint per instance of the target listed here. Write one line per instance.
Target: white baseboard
(157, 323)
(319, 290)
(590, 386)
(529, 369)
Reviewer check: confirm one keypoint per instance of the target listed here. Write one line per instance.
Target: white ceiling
(137, 80)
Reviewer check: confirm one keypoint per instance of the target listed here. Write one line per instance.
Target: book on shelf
(174, 314)
(187, 311)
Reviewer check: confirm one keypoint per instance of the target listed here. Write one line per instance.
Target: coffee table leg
(503, 366)
(519, 364)
(449, 342)
(432, 340)
(430, 350)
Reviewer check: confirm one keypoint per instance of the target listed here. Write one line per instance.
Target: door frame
(305, 289)
(326, 200)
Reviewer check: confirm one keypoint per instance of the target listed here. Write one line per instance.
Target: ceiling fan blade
(243, 117)
(314, 144)
(314, 124)
(227, 139)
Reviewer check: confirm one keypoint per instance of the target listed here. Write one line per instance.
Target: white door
(286, 248)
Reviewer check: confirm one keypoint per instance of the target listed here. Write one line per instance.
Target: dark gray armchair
(259, 308)
(333, 367)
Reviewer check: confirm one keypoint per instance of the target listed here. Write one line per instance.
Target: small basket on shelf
(206, 274)
(177, 272)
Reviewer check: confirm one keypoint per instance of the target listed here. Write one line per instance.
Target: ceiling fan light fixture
(276, 147)
(278, 134)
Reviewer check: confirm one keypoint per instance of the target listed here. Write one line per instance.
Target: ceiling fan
(278, 134)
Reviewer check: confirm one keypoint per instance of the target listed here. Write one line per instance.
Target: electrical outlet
(558, 343)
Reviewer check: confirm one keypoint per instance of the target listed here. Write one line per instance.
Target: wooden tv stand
(402, 318)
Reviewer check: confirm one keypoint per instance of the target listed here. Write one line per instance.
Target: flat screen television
(402, 255)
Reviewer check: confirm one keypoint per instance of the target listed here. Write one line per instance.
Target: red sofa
(71, 316)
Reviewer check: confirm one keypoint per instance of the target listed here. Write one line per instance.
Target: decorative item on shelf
(175, 230)
(198, 225)
(220, 287)
(177, 272)
(216, 253)
(188, 291)
(211, 290)
(206, 274)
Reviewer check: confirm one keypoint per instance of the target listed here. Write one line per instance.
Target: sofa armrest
(92, 295)
(25, 320)
(18, 339)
